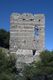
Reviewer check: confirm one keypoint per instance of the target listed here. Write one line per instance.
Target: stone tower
(27, 34)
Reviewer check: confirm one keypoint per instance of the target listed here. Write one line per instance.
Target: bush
(41, 70)
(7, 66)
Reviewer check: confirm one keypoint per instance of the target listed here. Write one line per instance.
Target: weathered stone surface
(27, 33)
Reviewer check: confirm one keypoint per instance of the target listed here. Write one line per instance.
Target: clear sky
(30, 6)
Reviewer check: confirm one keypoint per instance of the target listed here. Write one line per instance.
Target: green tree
(7, 66)
(4, 38)
(41, 70)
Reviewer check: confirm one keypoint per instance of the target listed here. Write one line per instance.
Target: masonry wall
(27, 31)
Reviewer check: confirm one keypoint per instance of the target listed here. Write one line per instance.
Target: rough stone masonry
(27, 36)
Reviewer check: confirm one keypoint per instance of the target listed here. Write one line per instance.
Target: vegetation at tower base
(4, 38)
(7, 66)
(41, 70)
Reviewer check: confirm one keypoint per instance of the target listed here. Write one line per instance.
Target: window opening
(36, 30)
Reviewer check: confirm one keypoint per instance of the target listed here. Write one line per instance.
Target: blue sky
(30, 6)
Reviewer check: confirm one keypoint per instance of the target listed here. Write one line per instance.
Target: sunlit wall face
(27, 31)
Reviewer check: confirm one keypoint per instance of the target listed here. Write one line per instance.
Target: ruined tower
(27, 33)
